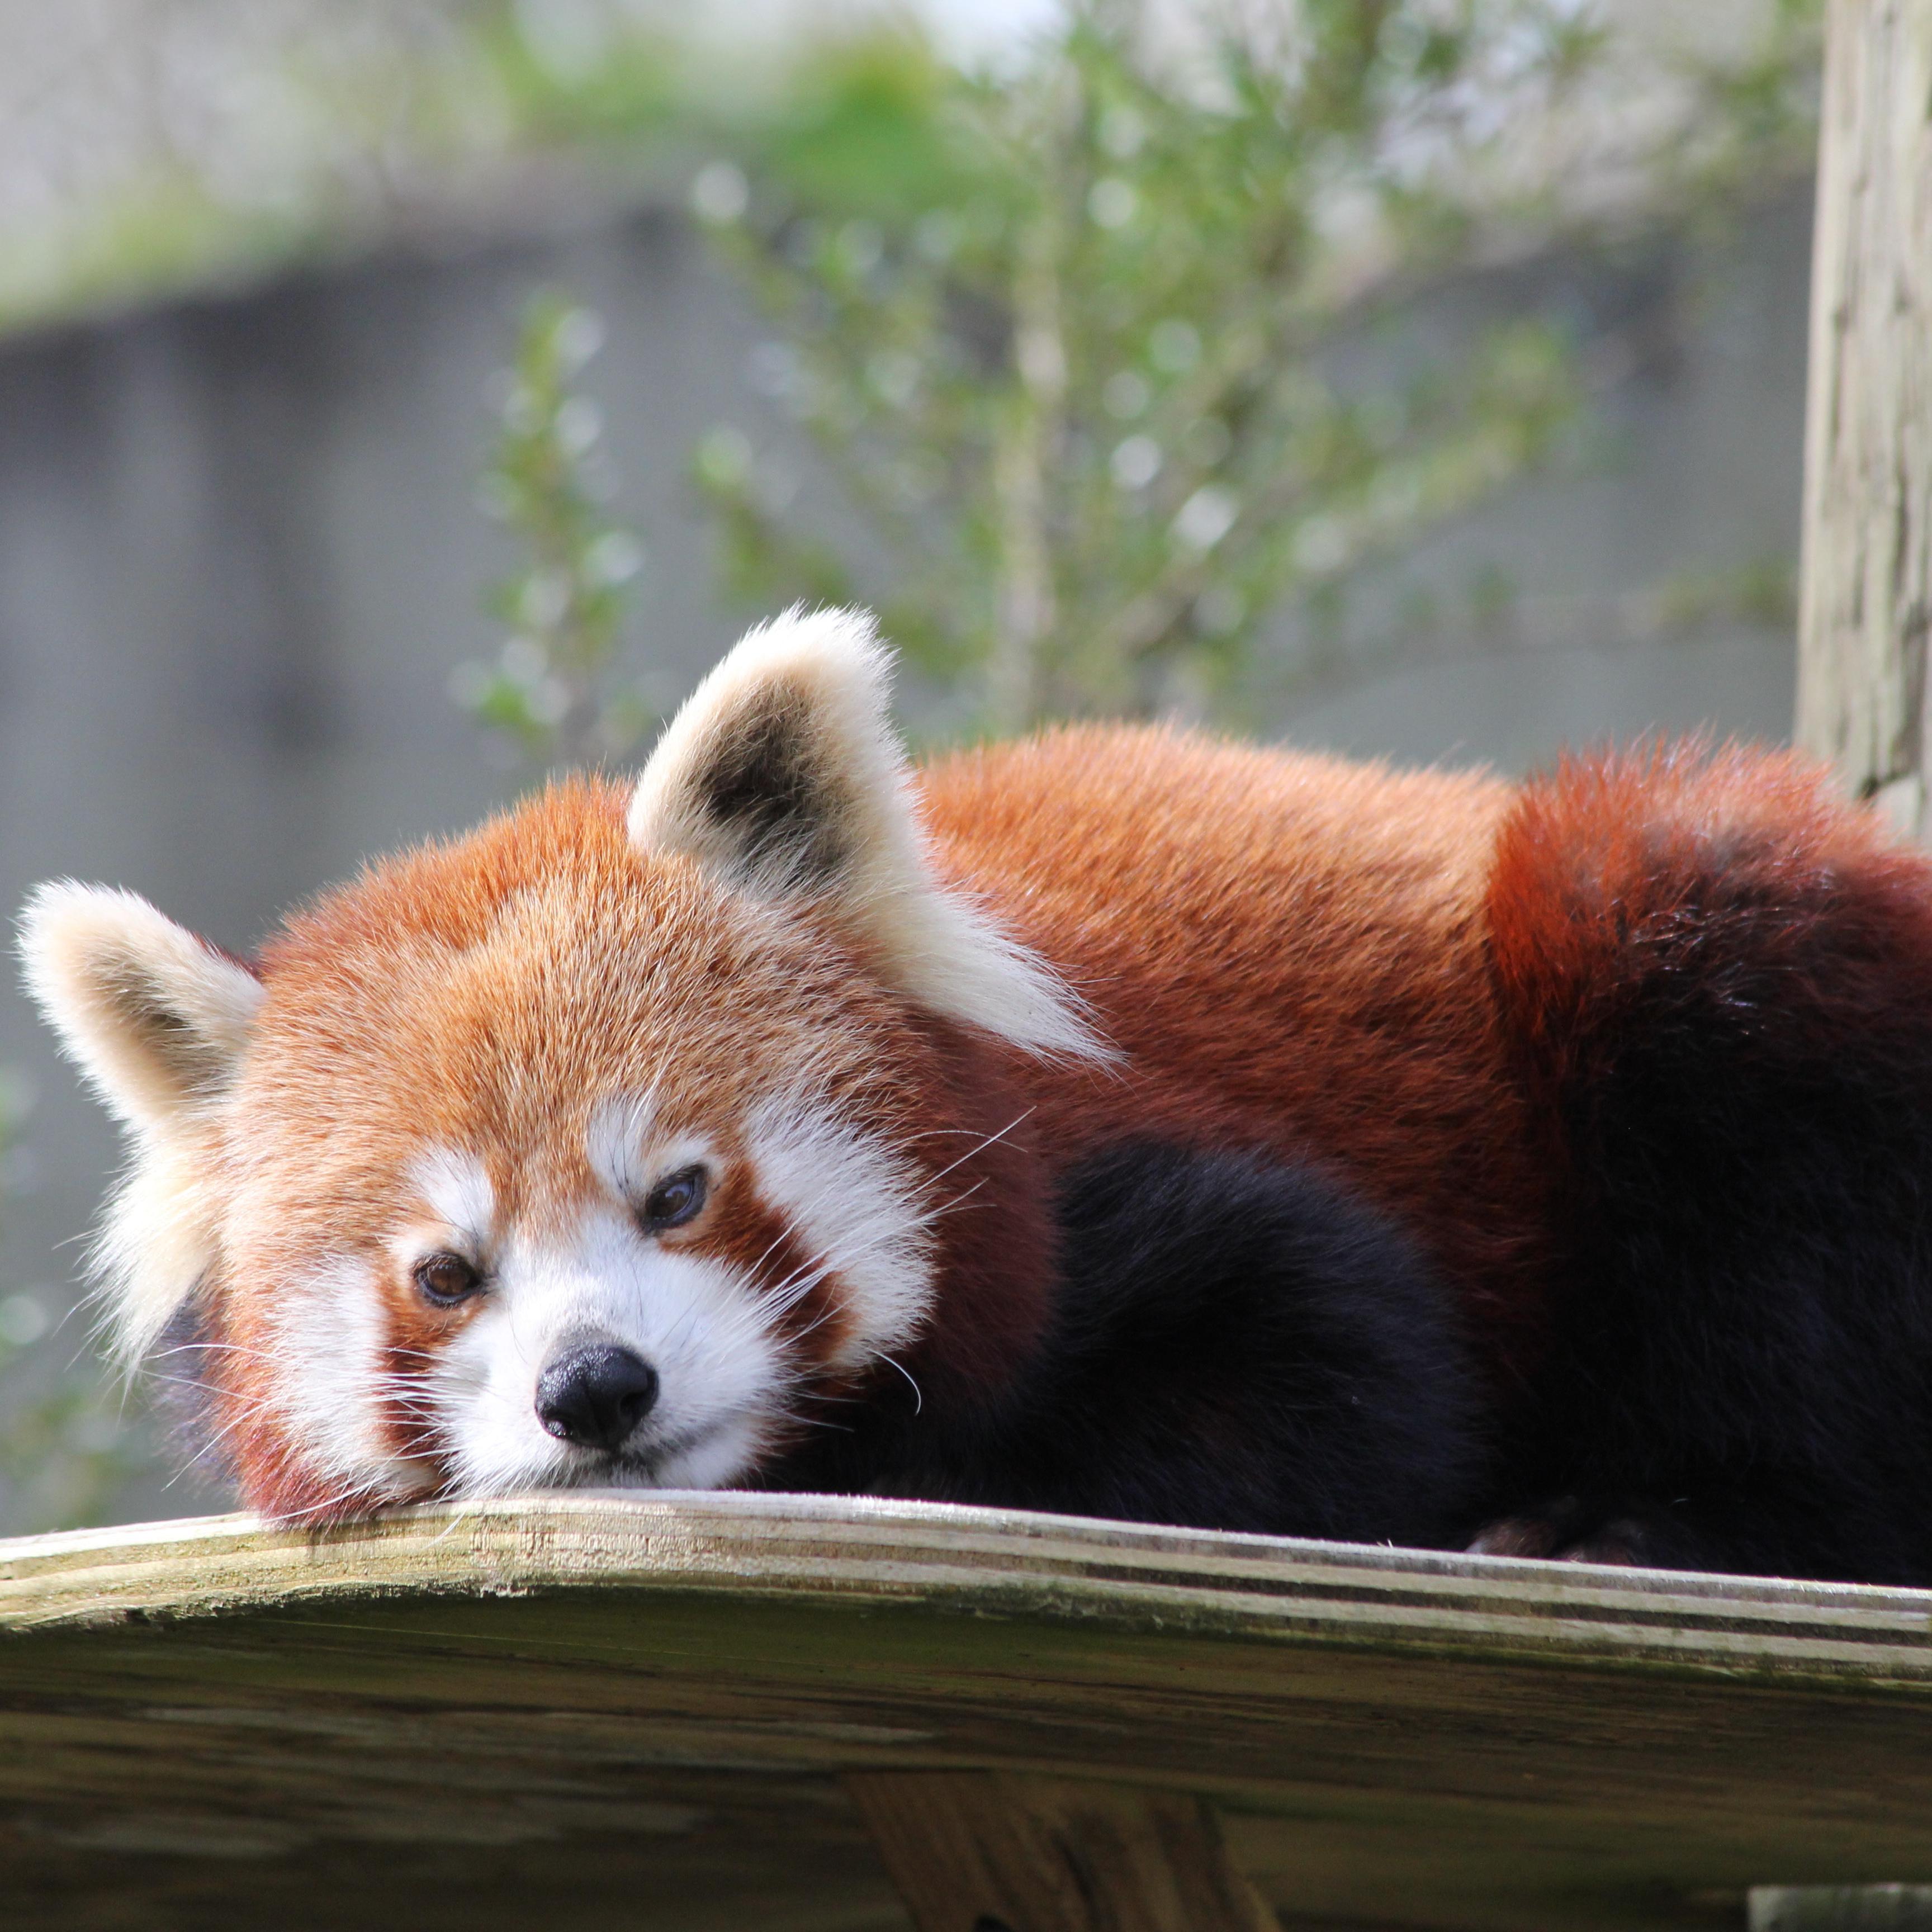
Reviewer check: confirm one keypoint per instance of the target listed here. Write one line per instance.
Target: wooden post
(1865, 598)
(982, 1851)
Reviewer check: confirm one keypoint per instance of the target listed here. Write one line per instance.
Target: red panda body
(1121, 1121)
(1291, 954)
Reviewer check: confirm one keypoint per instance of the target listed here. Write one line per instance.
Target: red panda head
(590, 1148)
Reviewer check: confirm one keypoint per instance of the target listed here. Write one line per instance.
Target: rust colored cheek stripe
(807, 1299)
(407, 1421)
(415, 1339)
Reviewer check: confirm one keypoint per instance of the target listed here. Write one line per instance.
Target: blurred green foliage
(1102, 351)
(1099, 346)
(67, 1444)
(552, 691)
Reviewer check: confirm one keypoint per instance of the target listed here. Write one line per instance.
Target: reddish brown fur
(1292, 954)
(1606, 849)
(1290, 951)
(1611, 869)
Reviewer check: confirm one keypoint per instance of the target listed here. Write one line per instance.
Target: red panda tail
(1717, 979)
(1674, 877)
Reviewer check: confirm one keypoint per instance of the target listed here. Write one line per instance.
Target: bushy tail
(1719, 979)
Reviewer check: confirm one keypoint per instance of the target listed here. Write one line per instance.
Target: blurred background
(400, 397)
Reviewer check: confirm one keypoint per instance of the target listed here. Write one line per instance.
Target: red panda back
(1290, 951)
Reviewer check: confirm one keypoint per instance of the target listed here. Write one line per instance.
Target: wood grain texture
(975, 1852)
(645, 1713)
(1865, 601)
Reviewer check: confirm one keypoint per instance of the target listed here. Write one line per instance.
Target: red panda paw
(1571, 1530)
(1548, 1532)
(1628, 1541)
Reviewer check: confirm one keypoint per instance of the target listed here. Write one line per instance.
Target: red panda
(1120, 1121)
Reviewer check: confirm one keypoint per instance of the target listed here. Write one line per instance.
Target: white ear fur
(157, 1020)
(782, 774)
(156, 1242)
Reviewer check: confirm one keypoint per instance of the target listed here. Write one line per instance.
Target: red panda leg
(1235, 1344)
(1718, 982)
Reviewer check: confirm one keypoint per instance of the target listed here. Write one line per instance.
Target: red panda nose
(595, 1395)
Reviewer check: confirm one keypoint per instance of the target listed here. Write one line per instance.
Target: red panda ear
(158, 1022)
(157, 1019)
(782, 775)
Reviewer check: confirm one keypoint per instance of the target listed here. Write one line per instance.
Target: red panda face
(594, 1149)
(634, 1113)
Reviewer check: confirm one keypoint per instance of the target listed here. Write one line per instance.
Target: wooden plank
(1015, 1563)
(972, 1852)
(647, 1713)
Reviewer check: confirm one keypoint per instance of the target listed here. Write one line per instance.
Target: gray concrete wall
(238, 558)
(1695, 474)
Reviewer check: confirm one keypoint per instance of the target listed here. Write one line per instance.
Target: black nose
(594, 1396)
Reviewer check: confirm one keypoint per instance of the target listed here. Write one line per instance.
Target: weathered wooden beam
(978, 1852)
(667, 1714)
(1865, 598)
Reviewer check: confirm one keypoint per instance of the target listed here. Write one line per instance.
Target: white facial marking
(714, 1332)
(698, 1321)
(855, 1208)
(330, 1341)
(457, 1187)
(615, 1144)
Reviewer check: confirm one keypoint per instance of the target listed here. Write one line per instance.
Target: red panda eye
(445, 1279)
(676, 1199)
